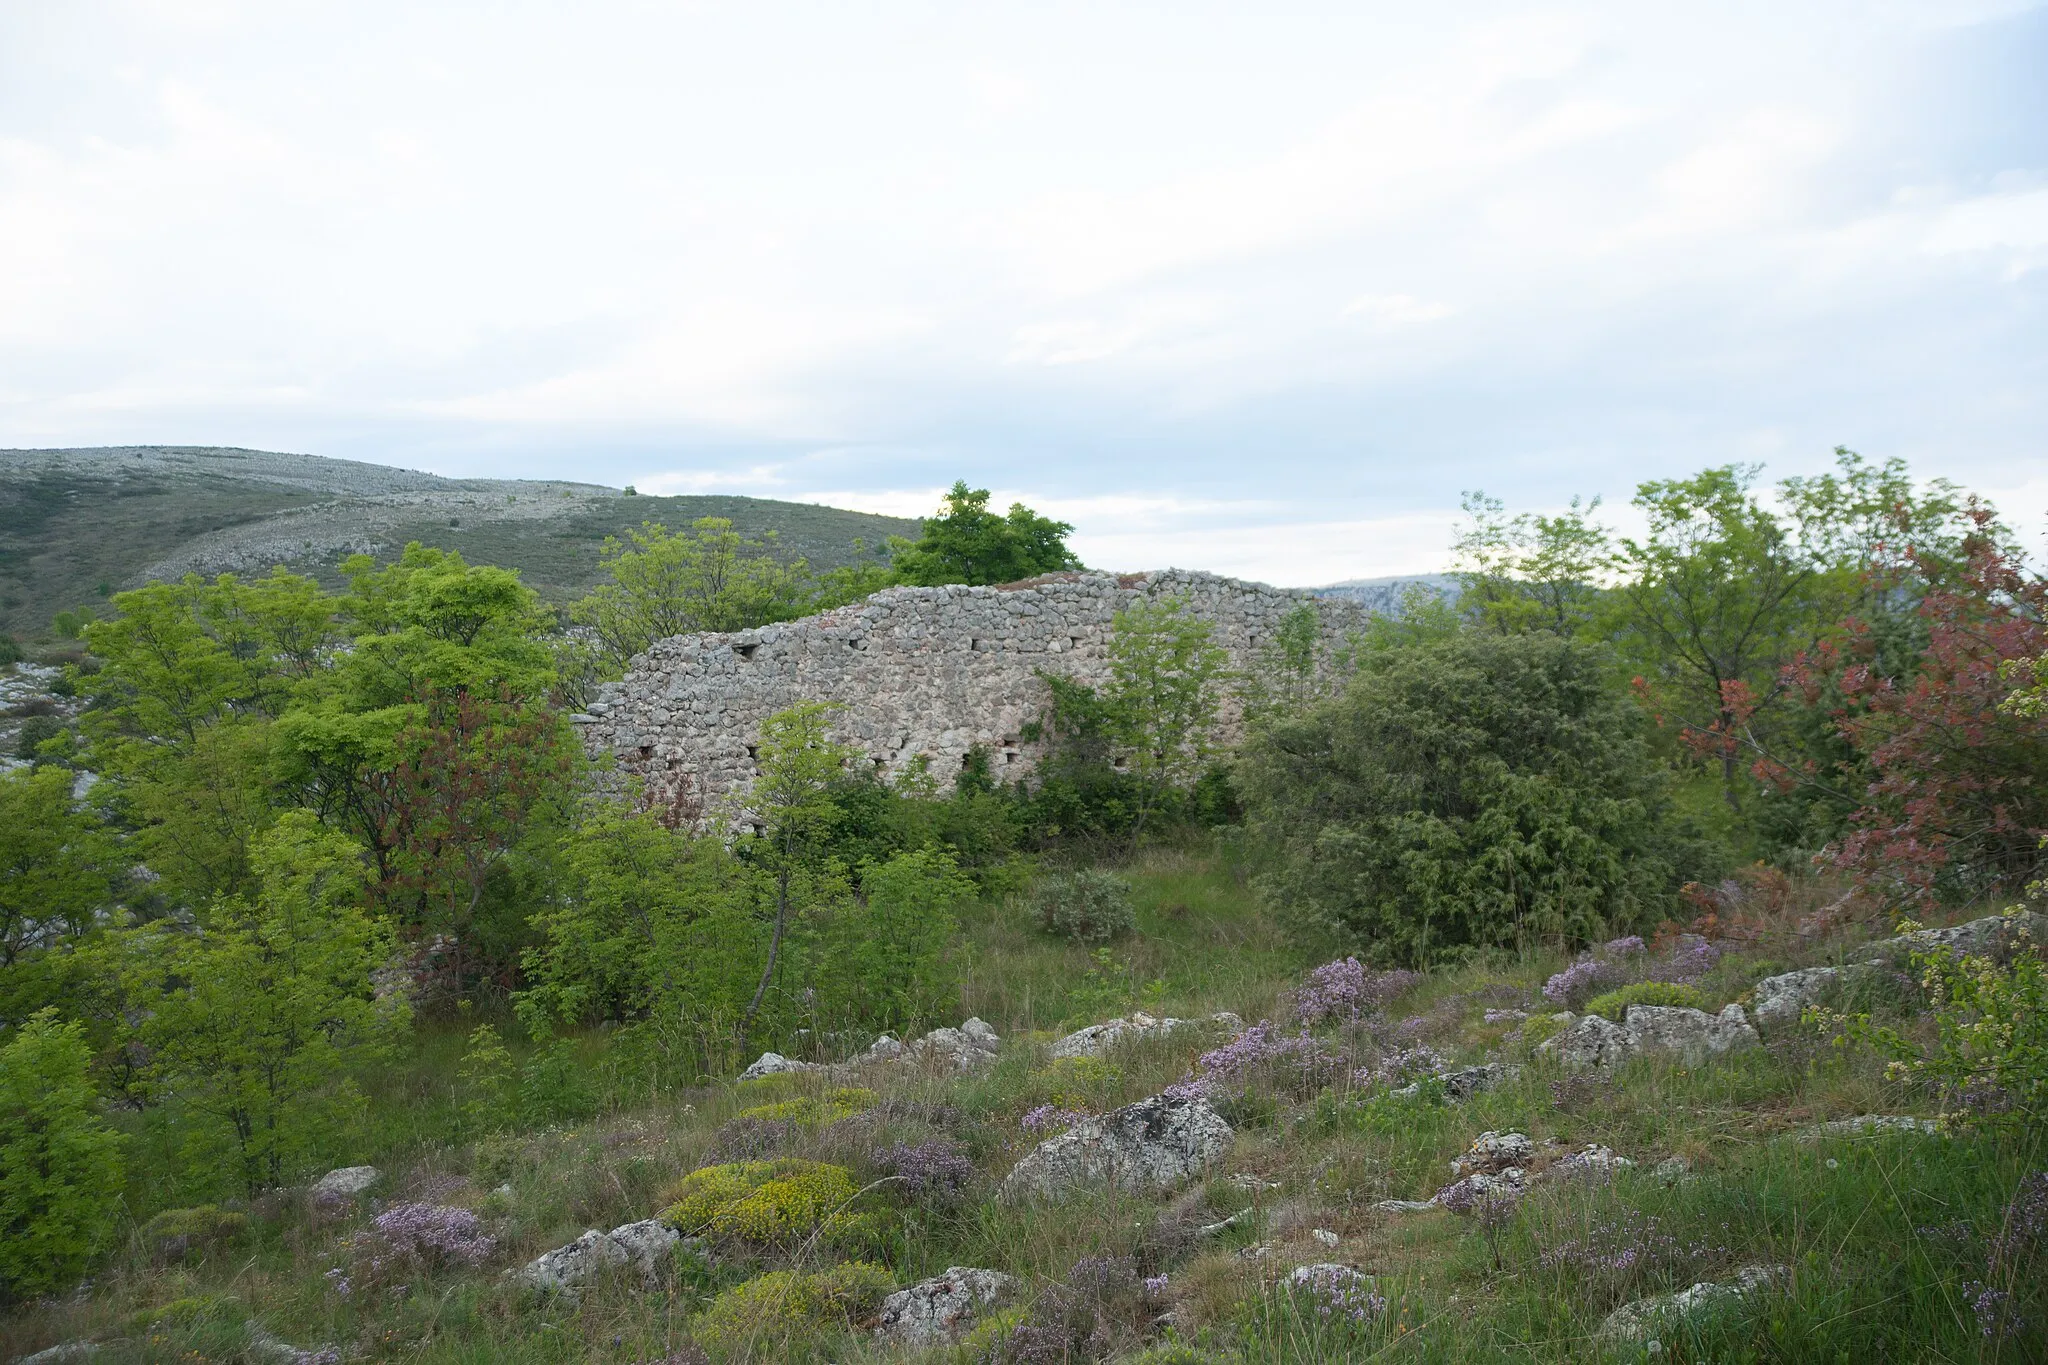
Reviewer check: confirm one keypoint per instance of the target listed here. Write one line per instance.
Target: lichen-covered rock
(345, 1183)
(1783, 998)
(1407, 1205)
(1491, 1153)
(934, 1312)
(568, 1268)
(1325, 1276)
(1639, 1320)
(1096, 1039)
(63, 1353)
(971, 1045)
(1592, 1043)
(886, 1048)
(1992, 936)
(647, 1245)
(1693, 1034)
(1462, 1083)
(1150, 1145)
(774, 1064)
(1591, 1160)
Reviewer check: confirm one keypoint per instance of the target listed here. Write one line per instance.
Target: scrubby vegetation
(341, 896)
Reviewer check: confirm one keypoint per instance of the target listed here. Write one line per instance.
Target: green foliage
(767, 1203)
(815, 1110)
(710, 579)
(10, 651)
(881, 957)
(1087, 906)
(764, 1316)
(1289, 671)
(253, 1020)
(55, 866)
(487, 1075)
(1614, 1004)
(60, 1163)
(555, 1086)
(180, 1234)
(1532, 572)
(1165, 674)
(967, 543)
(1482, 791)
(1989, 1054)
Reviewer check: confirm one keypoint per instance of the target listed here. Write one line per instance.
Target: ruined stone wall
(916, 671)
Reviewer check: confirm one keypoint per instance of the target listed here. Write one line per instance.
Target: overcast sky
(1253, 287)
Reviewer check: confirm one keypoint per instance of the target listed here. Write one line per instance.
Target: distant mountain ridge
(79, 525)
(1382, 596)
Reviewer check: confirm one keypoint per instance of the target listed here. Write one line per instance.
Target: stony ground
(1103, 1160)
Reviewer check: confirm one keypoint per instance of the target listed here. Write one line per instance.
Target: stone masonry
(931, 672)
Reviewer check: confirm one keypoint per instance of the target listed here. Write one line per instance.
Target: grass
(1879, 1236)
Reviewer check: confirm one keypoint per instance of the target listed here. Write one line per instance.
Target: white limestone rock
(647, 1245)
(1406, 1205)
(1326, 1275)
(1097, 1039)
(346, 1182)
(774, 1064)
(972, 1045)
(63, 1353)
(1491, 1153)
(1591, 1044)
(1462, 1083)
(569, 1268)
(1870, 1125)
(1693, 1034)
(1591, 1160)
(1151, 1145)
(934, 1312)
(1641, 1319)
(1993, 936)
(1781, 999)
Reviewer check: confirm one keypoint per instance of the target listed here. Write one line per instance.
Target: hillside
(79, 525)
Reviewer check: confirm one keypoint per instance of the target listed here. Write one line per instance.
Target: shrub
(555, 1086)
(1089, 906)
(935, 1172)
(812, 1111)
(60, 1164)
(772, 1203)
(771, 1309)
(1614, 1004)
(412, 1237)
(176, 1233)
(1477, 791)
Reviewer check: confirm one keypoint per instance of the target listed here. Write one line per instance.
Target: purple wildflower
(1630, 1246)
(1050, 1118)
(1294, 1061)
(1344, 989)
(1691, 958)
(1155, 1285)
(1996, 1315)
(936, 1171)
(1338, 1295)
(432, 1234)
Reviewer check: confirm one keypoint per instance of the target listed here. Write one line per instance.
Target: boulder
(1870, 1125)
(1782, 999)
(570, 1267)
(1693, 1034)
(971, 1045)
(1097, 1039)
(933, 1312)
(1469, 1193)
(1150, 1145)
(886, 1048)
(1638, 1320)
(647, 1245)
(1992, 936)
(1590, 1160)
(774, 1064)
(1464, 1082)
(1492, 1153)
(346, 1182)
(1592, 1043)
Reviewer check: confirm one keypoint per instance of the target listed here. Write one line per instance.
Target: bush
(1090, 906)
(176, 1234)
(1614, 1004)
(60, 1164)
(808, 1111)
(1476, 791)
(770, 1203)
(555, 1086)
(767, 1311)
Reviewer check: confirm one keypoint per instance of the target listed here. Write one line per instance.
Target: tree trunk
(774, 947)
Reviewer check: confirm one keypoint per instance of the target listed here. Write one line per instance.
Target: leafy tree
(1483, 790)
(253, 1019)
(61, 1171)
(55, 863)
(1165, 677)
(709, 579)
(881, 960)
(1286, 673)
(488, 1080)
(792, 802)
(967, 543)
(1532, 572)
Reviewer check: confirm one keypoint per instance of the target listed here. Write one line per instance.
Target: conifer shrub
(176, 1234)
(770, 1203)
(763, 1315)
(1088, 906)
(1614, 1005)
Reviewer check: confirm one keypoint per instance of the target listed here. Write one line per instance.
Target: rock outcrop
(934, 1312)
(1097, 1039)
(641, 1246)
(1640, 1320)
(1780, 1000)
(1594, 1042)
(345, 1183)
(1151, 1145)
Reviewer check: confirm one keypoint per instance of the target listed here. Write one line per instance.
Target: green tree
(489, 1082)
(60, 1163)
(254, 1019)
(793, 807)
(709, 579)
(1483, 790)
(967, 543)
(55, 862)
(1532, 572)
(1290, 670)
(1165, 682)
(882, 958)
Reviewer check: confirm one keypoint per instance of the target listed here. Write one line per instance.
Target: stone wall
(917, 671)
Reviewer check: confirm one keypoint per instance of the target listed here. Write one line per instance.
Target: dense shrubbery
(1087, 906)
(1476, 792)
(60, 1164)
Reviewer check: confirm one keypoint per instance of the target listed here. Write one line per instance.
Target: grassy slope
(76, 525)
(1850, 1217)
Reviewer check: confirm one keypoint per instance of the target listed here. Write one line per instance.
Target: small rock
(1325, 1274)
(1325, 1236)
(1870, 1125)
(1406, 1205)
(1150, 1145)
(1466, 1081)
(1591, 1160)
(1993, 936)
(647, 1244)
(774, 1064)
(1492, 1152)
(1782, 999)
(971, 1045)
(265, 1346)
(1635, 1321)
(1672, 1170)
(568, 1268)
(1096, 1039)
(933, 1312)
(345, 1183)
(62, 1353)
(884, 1049)
(1236, 1220)
(1459, 1194)
(1245, 1180)
(984, 1036)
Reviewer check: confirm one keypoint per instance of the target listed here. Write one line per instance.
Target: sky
(1260, 288)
